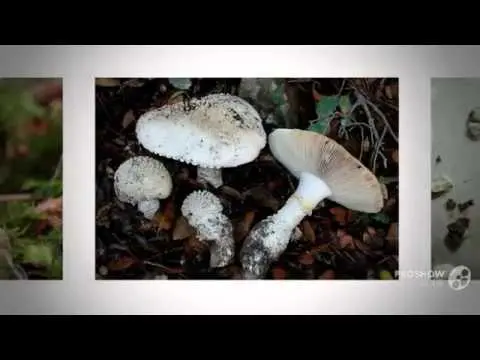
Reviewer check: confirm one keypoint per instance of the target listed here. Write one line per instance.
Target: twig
(58, 170)
(56, 175)
(19, 273)
(341, 87)
(163, 267)
(363, 102)
(382, 116)
(16, 197)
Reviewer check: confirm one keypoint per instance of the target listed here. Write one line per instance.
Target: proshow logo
(459, 278)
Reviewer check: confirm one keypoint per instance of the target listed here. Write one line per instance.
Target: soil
(332, 243)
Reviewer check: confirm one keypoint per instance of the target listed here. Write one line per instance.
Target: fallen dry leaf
(193, 246)
(103, 215)
(320, 249)
(342, 215)
(182, 229)
(345, 241)
(128, 118)
(372, 239)
(227, 190)
(107, 82)
(316, 95)
(121, 263)
(21, 150)
(341, 232)
(265, 158)
(52, 210)
(263, 197)
(36, 127)
(278, 273)
(392, 234)
(306, 259)
(272, 185)
(48, 91)
(134, 83)
(371, 231)
(243, 227)
(50, 205)
(232, 271)
(165, 220)
(395, 156)
(176, 97)
(391, 91)
(327, 275)
(308, 232)
(361, 246)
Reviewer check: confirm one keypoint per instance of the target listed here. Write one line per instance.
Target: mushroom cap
(219, 130)
(352, 184)
(199, 206)
(141, 178)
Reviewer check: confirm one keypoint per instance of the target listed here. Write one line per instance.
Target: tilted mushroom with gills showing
(325, 169)
(216, 131)
(204, 212)
(143, 181)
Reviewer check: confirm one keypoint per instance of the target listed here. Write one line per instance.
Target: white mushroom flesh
(204, 212)
(218, 131)
(270, 237)
(143, 181)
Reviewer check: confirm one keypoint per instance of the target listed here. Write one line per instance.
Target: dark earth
(333, 243)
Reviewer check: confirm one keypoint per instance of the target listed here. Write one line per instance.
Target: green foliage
(45, 250)
(367, 219)
(17, 109)
(326, 109)
(17, 106)
(31, 172)
(43, 188)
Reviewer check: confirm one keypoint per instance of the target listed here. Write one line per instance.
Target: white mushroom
(143, 181)
(204, 212)
(325, 170)
(218, 131)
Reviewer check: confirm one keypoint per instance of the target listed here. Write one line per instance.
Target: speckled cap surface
(142, 178)
(219, 130)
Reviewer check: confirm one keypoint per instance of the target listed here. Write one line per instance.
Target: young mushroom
(325, 169)
(143, 181)
(214, 132)
(204, 212)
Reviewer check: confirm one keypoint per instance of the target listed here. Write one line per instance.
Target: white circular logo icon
(459, 278)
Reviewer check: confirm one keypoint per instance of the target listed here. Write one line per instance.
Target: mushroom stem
(270, 237)
(311, 190)
(149, 208)
(210, 175)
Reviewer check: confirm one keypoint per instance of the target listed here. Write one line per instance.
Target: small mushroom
(204, 212)
(143, 181)
(214, 132)
(325, 170)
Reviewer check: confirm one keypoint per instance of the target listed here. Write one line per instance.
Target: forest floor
(332, 243)
(30, 179)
